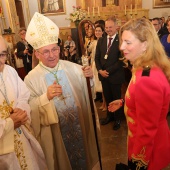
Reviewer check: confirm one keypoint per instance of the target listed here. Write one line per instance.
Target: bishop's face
(48, 55)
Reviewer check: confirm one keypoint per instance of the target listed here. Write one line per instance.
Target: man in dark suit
(110, 68)
(164, 25)
(24, 51)
(157, 24)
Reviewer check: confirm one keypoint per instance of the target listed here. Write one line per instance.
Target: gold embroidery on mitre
(41, 31)
(140, 159)
(52, 28)
(5, 109)
(19, 151)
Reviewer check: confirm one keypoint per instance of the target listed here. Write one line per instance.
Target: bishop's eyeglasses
(46, 53)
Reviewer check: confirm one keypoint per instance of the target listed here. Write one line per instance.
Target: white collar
(113, 37)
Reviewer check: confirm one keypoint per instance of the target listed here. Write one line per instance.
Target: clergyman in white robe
(63, 127)
(19, 149)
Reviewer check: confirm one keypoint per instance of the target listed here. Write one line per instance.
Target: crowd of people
(46, 120)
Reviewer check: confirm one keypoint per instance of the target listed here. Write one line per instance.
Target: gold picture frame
(161, 3)
(51, 7)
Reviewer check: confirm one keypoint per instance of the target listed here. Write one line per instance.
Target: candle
(125, 9)
(131, 9)
(88, 12)
(93, 11)
(135, 8)
(98, 11)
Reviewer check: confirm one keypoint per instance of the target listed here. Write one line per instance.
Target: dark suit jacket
(161, 32)
(112, 64)
(20, 53)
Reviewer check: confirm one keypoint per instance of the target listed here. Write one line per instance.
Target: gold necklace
(61, 97)
(55, 74)
(10, 109)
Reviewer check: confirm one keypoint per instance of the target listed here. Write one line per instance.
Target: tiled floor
(113, 144)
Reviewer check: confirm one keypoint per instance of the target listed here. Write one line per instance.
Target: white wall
(60, 20)
(155, 12)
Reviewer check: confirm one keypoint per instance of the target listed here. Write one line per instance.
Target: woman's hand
(115, 105)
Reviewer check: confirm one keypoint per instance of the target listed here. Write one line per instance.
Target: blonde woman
(147, 97)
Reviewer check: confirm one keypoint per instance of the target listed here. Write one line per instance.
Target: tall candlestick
(135, 8)
(131, 9)
(93, 11)
(98, 11)
(125, 9)
(88, 12)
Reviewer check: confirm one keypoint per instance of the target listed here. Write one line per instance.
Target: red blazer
(146, 107)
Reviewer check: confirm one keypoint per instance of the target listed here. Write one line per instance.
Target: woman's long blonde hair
(154, 55)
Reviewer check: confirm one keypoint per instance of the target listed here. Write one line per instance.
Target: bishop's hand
(54, 90)
(87, 71)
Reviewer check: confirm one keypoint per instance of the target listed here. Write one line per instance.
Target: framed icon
(51, 7)
(161, 3)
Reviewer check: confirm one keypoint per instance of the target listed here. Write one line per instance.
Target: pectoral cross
(61, 97)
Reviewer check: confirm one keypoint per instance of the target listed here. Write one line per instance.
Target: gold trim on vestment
(18, 145)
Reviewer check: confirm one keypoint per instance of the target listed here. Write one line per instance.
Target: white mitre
(41, 31)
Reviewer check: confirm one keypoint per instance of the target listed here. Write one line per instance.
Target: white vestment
(45, 119)
(18, 148)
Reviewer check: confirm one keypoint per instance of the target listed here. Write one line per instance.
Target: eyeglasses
(3, 55)
(23, 33)
(46, 53)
